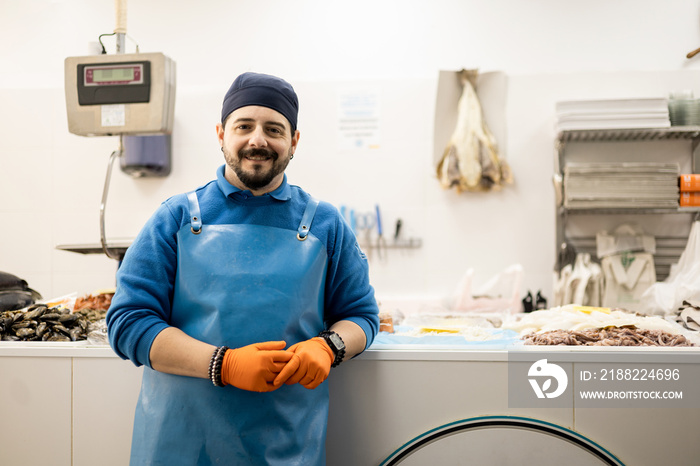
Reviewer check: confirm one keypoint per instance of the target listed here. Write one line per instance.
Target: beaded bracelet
(217, 359)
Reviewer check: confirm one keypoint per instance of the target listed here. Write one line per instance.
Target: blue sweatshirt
(141, 306)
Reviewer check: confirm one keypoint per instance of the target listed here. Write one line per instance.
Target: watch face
(336, 340)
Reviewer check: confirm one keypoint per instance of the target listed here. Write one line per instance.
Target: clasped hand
(264, 367)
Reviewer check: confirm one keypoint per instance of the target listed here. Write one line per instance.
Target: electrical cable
(104, 51)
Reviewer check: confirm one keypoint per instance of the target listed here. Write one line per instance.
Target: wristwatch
(337, 345)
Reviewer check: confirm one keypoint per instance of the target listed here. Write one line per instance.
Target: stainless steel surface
(564, 215)
(153, 117)
(117, 248)
(105, 191)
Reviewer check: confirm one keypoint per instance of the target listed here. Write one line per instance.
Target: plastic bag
(97, 333)
(581, 284)
(682, 284)
(625, 238)
(501, 293)
(15, 293)
(627, 277)
(66, 301)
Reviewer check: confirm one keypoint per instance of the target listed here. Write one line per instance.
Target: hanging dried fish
(470, 161)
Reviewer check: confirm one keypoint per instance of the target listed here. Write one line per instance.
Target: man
(238, 298)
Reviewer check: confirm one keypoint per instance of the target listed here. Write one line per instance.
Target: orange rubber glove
(311, 363)
(255, 367)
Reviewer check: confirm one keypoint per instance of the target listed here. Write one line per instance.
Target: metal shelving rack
(630, 135)
(669, 248)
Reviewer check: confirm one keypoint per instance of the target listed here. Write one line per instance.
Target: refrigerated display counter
(72, 404)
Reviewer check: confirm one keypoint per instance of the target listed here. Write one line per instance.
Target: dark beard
(259, 179)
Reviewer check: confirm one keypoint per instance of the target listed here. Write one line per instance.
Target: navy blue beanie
(263, 90)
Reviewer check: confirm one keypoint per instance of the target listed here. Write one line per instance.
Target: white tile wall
(51, 181)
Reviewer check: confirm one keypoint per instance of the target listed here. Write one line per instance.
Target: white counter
(79, 401)
(66, 404)
(390, 399)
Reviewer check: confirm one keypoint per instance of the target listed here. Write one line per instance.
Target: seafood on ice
(471, 161)
(597, 326)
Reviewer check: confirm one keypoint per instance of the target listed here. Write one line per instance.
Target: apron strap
(307, 218)
(195, 216)
(302, 231)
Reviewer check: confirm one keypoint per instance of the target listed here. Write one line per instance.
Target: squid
(470, 161)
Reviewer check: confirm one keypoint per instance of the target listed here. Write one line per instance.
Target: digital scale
(126, 94)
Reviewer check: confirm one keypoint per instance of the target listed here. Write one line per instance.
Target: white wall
(51, 181)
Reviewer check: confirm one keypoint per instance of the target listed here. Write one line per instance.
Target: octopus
(611, 336)
(470, 161)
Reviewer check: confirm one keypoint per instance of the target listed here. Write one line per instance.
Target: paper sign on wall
(358, 119)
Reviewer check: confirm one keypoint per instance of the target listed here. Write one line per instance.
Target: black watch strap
(336, 344)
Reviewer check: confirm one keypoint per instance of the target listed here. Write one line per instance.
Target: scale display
(102, 75)
(114, 83)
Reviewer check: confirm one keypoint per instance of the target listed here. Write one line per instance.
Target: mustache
(260, 151)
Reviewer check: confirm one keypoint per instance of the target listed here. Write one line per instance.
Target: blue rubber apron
(236, 285)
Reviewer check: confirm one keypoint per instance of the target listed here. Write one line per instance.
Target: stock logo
(546, 372)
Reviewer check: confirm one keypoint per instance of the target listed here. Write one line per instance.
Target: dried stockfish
(471, 161)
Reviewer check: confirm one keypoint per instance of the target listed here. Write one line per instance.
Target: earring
(291, 157)
(222, 148)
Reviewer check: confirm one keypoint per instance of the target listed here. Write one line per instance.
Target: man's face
(257, 143)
